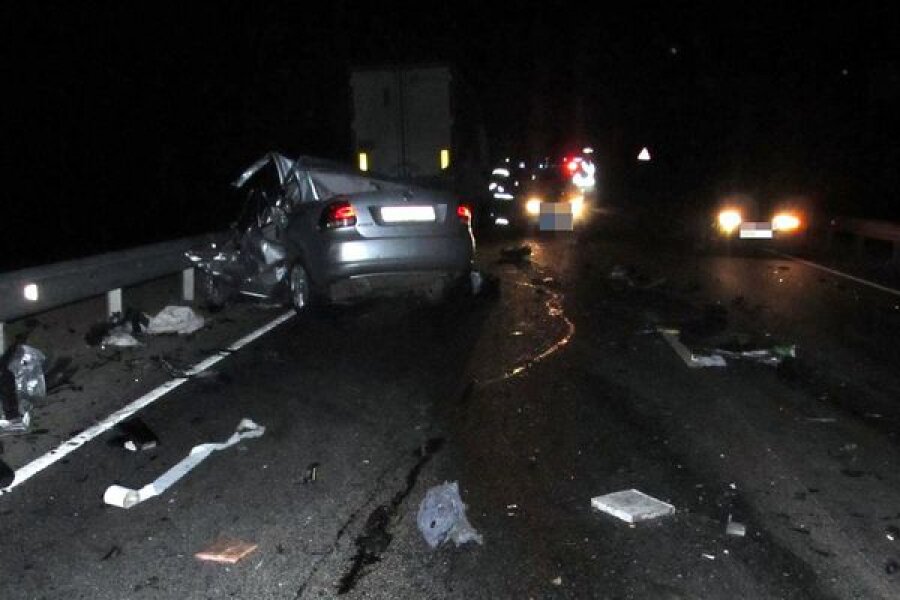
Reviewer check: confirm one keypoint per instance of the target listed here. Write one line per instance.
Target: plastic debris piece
(619, 273)
(632, 506)
(119, 338)
(556, 581)
(690, 359)
(21, 383)
(442, 516)
(708, 556)
(516, 253)
(735, 528)
(135, 435)
(226, 550)
(113, 553)
(122, 497)
(132, 322)
(175, 319)
(891, 532)
(312, 473)
(821, 419)
(476, 280)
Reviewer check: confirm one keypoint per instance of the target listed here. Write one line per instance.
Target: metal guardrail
(863, 229)
(38, 289)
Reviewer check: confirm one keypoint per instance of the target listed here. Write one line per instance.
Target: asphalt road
(555, 390)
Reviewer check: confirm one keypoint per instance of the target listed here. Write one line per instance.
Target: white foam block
(632, 506)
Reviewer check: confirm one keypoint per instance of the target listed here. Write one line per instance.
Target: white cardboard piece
(632, 506)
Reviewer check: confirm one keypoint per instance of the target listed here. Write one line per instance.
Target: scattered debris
(117, 495)
(891, 567)
(175, 319)
(690, 359)
(7, 475)
(708, 556)
(767, 356)
(556, 581)
(226, 550)
(515, 254)
(131, 322)
(821, 419)
(135, 435)
(113, 552)
(312, 473)
(475, 280)
(632, 506)
(442, 516)
(21, 383)
(620, 273)
(119, 338)
(659, 281)
(735, 528)
(892, 533)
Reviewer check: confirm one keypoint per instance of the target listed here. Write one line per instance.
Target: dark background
(124, 123)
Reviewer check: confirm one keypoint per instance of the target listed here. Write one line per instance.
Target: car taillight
(339, 214)
(464, 213)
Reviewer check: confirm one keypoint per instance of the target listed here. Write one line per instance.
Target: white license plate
(407, 214)
(756, 231)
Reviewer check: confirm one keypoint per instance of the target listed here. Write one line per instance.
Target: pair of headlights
(730, 220)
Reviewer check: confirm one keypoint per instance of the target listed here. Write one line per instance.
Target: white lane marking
(860, 280)
(42, 462)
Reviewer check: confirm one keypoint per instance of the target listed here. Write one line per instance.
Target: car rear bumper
(359, 266)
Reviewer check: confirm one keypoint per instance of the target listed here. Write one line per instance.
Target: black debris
(891, 567)
(113, 552)
(7, 475)
(134, 435)
(515, 254)
(311, 474)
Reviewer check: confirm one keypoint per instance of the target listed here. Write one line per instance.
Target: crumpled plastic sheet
(26, 365)
(442, 517)
(175, 319)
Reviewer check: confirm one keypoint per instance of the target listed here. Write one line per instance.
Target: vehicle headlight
(533, 206)
(729, 220)
(577, 204)
(785, 222)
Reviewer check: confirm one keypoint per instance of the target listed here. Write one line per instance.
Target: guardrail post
(114, 302)
(187, 285)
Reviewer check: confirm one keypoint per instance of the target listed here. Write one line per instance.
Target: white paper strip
(123, 497)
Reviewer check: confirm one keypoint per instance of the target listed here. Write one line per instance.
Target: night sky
(125, 123)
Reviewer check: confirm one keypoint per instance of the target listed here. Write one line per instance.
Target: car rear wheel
(300, 287)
